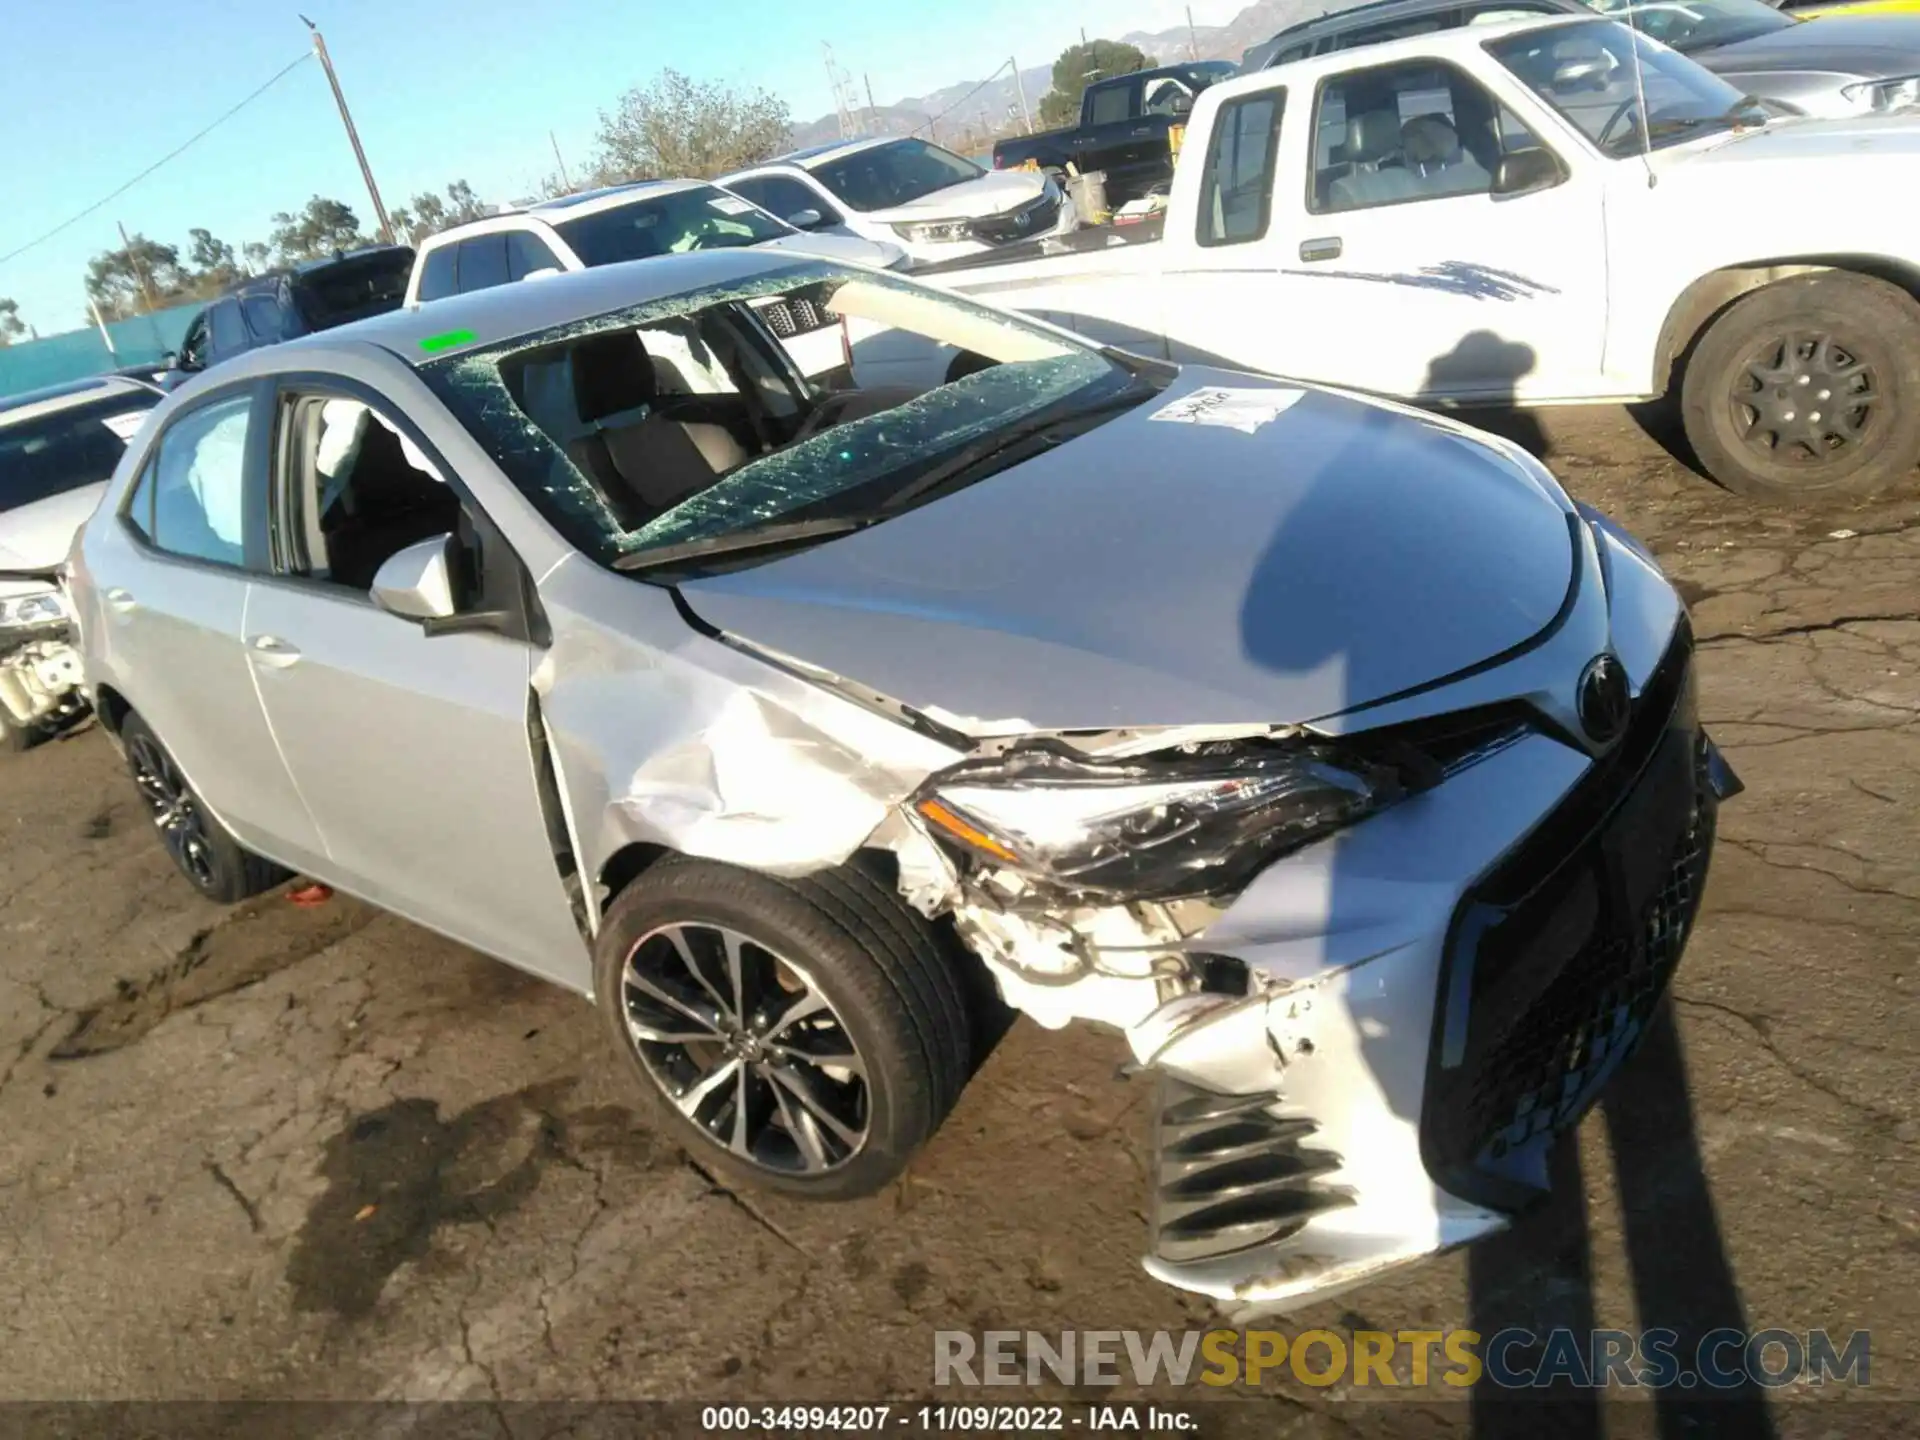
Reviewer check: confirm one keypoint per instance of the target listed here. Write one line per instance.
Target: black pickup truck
(1124, 128)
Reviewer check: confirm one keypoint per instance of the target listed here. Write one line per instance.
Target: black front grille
(795, 315)
(1558, 957)
(1037, 217)
(1231, 1175)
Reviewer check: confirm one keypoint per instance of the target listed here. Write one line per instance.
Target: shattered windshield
(1627, 94)
(705, 218)
(811, 395)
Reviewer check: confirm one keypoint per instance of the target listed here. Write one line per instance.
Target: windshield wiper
(758, 537)
(1733, 115)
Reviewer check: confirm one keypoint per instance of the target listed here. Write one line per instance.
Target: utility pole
(353, 135)
(564, 181)
(139, 270)
(873, 122)
(1020, 89)
(1193, 41)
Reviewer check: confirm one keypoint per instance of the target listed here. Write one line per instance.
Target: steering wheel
(1626, 108)
(813, 424)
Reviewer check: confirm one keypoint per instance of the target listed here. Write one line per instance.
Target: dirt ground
(286, 1152)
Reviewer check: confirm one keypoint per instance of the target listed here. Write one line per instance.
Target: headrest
(1372, 135)
(611, 373)
(1430, 140)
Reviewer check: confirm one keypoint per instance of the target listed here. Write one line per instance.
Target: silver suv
(1319, 747)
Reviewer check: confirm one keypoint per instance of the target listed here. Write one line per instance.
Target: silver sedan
(1323, 749)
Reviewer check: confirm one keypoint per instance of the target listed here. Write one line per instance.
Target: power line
(193, 139)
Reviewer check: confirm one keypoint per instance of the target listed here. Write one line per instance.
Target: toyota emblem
(1604, 702)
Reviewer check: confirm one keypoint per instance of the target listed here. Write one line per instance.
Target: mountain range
(967, 111)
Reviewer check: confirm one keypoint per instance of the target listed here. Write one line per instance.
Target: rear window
(52, 454)
(349, 290)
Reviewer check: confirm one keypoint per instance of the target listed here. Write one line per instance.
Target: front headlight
(935, 232)
(1875, 96)
(1193, 824)
(28, 612)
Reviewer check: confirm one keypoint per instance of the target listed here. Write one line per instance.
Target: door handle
(1325, 248)
(272, 650)
(121, 600)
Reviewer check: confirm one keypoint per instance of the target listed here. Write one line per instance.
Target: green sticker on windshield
(433, 344)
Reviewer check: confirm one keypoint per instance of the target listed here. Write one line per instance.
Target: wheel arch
(1713, 294)
(112, 707)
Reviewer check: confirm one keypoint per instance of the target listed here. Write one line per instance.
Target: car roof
(1459, 40)
(1385, 12)
(422, 333)
(31, 404)
(567, 207)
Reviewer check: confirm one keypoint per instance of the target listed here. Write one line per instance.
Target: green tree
(1078, 67)
(257, 255)
(214, 267)
(323, 227)
(140, 275)
(428, 214)
(10, 327)
(677, 128)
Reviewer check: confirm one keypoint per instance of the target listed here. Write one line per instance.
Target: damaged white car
(57, 448)
(1320, 747)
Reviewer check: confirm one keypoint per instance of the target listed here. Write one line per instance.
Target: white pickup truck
(1532, 212)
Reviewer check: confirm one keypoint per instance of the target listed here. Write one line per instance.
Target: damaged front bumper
(1426, 1003)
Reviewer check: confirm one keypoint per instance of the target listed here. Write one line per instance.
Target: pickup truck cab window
(1167, 96)
(226, 330)
(1418, 130)
(1113, 102)
(483, 262)
(437, 275)
(526, 253)
(1587, 71)
(1237, 186)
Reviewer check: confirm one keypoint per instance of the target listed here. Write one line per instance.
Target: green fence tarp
(143, 340)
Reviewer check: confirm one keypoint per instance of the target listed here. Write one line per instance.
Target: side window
(483, 263)
(226, 334)
(193, 344)
(263, 318)
(1167, 96)
(191, 500)
(1114, 103)
(437, 278)
(783, 196)
(527, 253)
(1236, 189)
(353, 491)
(1404, 29)
(1407, 132)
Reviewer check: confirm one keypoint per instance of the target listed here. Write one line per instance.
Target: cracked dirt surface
(285, 1152)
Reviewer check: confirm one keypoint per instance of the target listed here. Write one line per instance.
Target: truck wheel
(211, 859)
(1808, 388)
(804, 1036)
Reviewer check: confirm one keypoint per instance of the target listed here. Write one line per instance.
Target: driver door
(412, 750)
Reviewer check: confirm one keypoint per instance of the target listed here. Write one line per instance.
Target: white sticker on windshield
(1244, 410)
(728, 205)
(125, 426)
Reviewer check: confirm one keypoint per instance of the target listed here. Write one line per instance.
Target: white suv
(639, 222)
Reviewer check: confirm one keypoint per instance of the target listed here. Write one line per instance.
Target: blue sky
(96, 90)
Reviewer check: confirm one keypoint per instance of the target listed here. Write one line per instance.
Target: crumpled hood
(1875, 47)
(994, 193)
(837, 247)
(1167, 572)
(35, 538)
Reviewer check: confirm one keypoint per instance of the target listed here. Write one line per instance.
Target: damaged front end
(40, 673)
(1365, 1037)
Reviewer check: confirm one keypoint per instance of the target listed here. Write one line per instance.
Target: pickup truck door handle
(121, 600)
(1325, 248)
(272, 650)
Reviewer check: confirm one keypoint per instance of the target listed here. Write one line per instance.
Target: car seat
(1373, 140)
(1437, 161)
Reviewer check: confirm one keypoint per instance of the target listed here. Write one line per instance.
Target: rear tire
(716, 956)
(213, 862)
(1808, 389)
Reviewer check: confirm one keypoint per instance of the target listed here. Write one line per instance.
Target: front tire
(205, 852)
(804, 1036)
(1808, 388)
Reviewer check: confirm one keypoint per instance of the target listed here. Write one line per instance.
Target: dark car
(1126, 128)
(1846, 65)
(318, 295)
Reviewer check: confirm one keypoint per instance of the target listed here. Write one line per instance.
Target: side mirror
(417, 583)
(1524, 172)
(806, 219)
